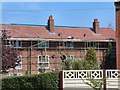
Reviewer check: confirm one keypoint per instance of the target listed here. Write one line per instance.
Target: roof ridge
(70, 27)
(56, 26)
(26, 24)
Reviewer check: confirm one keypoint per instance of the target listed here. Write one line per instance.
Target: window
(17, 44)
(92, 44)
(43, 61)
(53, 44)
(65, 57)
(43, 44)
(26, 43)
(69, 44)
(19, 59)
(70, 57)
(15, 74)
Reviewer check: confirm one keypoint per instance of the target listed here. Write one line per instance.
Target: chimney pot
(95, 20)
(50, 17)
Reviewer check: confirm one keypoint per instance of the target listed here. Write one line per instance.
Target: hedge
(45, 81)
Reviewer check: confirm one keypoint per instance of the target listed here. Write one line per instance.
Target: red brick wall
(54, 62)
(118, 37)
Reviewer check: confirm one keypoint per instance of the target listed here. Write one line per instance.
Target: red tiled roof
(22, 31)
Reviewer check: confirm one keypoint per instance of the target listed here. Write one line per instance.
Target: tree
(109, 57)
(90, 61)
(10, 58)
(77, 65)
(67, 64)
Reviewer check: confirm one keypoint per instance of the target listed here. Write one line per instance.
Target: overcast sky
(80, 14)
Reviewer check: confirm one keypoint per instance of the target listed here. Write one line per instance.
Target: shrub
(45, 81)
(90, 61)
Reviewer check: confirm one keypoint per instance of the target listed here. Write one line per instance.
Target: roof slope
(29, 31)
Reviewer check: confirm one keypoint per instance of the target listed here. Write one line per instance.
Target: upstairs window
(17, 44)
(43, 61)
(26, 43)
(53, 44)
(43, 44)
(69, 44)
(92, 44)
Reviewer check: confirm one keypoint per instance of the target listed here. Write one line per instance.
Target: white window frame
(43, 62)
(70, 57)
(15, 74)
(17, 67)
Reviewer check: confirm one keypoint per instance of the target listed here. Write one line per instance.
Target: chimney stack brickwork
(96, 26)
(117, 4)
(51, 24)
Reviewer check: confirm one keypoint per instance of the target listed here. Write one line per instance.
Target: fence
(79, 79)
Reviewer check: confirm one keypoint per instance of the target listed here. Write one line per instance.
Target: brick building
(45, 47)
(117, 7)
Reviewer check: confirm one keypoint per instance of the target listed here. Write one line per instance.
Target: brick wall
(118, 35)
(54, 63)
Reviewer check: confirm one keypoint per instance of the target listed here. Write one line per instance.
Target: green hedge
(45, 81)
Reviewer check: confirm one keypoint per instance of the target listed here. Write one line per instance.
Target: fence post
(104, 78)
(61, 80)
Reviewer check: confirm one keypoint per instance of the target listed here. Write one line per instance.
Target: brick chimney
(51, 24)
(96, 26)
(117, 6)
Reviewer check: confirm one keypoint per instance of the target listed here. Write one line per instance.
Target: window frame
(15, 74)
(71, 57)
(43, 62)
(19, 67)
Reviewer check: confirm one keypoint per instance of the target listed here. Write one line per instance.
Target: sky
(78, 14)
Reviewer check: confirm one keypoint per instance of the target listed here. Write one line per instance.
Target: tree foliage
(77, 65)
(110, 47)
(9, 58)
(67, 64)
(90, 61)
(45, 81)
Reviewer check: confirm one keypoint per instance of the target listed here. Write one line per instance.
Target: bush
(77, 65)
(46, 81)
